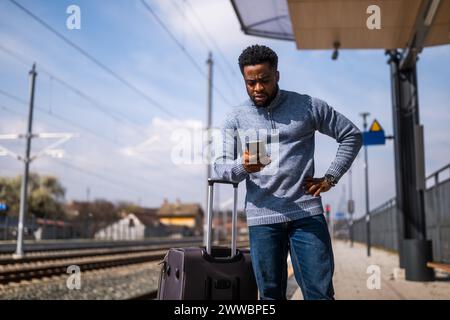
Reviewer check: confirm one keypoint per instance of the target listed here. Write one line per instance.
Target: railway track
(43, 246)
(39, 266)
(36, 256)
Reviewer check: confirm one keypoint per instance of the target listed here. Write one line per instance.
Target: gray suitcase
(209, 273)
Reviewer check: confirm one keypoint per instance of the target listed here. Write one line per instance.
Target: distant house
(133, 226)
(170, 220)
(186, 218)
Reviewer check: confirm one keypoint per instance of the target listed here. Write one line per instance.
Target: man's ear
(278, 76)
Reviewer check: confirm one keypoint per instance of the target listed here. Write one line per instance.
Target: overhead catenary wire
(205, 43)
(51, 114)
(136, 158)
(108, 112)
(104, 178)
(145, 184)
(95, 60)
(54, 77)
(97, 176)
(214, 42)
(183, 49)
(25, 61)
(120, 117)
(56, 116)
(77, 91)
(59, 117)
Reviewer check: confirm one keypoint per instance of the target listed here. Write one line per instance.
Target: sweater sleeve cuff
(336, 171)
(239, 171)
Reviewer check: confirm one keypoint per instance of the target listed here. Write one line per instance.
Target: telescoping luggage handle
(210, 210)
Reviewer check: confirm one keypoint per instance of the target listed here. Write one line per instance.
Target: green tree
(45, 195)
(10, 194)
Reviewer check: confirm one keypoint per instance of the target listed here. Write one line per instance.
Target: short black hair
(258, 54)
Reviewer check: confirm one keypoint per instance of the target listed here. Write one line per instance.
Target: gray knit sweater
(288, 124)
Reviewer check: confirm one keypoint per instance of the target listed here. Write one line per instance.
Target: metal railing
(384, 219)
(435, 175)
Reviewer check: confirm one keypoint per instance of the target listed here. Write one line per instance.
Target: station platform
(353, 270)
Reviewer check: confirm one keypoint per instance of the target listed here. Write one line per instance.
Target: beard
(265, 102)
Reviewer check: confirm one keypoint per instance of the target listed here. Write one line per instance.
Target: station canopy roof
(319, 24)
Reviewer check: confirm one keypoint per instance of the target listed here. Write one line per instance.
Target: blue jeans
(309, 244)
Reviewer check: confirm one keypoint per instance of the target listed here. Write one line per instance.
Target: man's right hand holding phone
(252, 164)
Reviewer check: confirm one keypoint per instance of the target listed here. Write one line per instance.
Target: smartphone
(258, 147)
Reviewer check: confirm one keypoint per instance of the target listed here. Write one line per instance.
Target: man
(283, 206)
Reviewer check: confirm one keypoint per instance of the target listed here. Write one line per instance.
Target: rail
(52, 265)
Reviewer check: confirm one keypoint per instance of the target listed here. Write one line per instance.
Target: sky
(126, 137)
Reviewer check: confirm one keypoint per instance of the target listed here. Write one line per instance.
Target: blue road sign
(373, 138)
